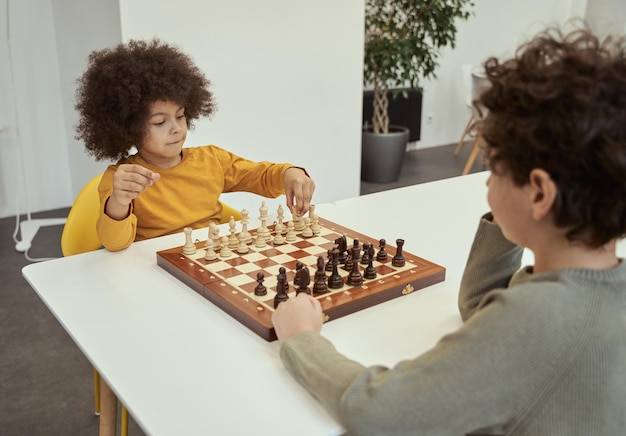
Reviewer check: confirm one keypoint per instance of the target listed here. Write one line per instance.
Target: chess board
(229, 282)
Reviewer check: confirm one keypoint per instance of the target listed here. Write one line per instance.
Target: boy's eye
(159, 123)
(180, 117)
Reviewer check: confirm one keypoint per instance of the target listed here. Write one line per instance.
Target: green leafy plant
(403, 39)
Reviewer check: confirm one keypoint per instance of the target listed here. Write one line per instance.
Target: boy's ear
(543, 192)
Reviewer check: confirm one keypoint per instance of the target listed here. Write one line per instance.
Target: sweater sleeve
(491, 263)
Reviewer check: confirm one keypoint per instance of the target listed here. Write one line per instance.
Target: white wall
(286, 76)
(496, 29)
(34, 134)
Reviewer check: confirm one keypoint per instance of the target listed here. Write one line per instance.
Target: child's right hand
(129, 180)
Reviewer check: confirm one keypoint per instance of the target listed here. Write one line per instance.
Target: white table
(182, 366)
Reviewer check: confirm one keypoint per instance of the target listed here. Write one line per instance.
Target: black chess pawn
(381, 256)
(260, 288)
(299, 266)
(365, 257)
(335, 281)
(370, 272)
(348, 265)
(281, 287)
(319, 281)
(355, 278)
(398, 259)
(329, 264)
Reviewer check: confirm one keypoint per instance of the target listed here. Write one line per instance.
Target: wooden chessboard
(229, 282)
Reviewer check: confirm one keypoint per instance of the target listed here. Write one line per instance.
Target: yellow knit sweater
(186, 195)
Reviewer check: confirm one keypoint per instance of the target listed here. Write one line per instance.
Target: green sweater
(538, 354)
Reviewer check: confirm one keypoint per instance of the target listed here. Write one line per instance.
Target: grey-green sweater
(538, 354)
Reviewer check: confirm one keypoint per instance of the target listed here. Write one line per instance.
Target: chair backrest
(79, 233)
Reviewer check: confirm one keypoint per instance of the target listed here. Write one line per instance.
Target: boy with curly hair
(147, 94)
(542, 349)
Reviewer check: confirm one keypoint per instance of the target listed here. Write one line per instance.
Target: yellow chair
(79, 236)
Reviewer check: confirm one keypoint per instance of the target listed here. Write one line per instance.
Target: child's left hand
(299, 189)
(296, 315)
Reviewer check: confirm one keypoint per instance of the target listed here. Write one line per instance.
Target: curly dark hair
(118, 87)
(560, 105)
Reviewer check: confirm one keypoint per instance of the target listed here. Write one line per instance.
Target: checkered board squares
(230, 282)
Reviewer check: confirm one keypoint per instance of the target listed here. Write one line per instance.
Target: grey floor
(45, 381)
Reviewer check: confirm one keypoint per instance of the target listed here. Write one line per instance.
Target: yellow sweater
(186, 195)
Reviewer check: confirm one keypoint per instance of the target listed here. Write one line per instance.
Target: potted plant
(402, 43)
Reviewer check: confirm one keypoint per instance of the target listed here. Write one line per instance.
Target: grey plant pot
(382, 154)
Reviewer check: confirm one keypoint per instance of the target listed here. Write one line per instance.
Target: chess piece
(381, 256)
(365, 257)
(260, 289)
(280, 214)
(233, 241)
(225, 251)
(297, 220)
(189, 248)
(303, 278)
(370, 272)
(355, 278)
(329, 264)
(291, 232)
(348, 265)
(342, 246)
(245, 234)
(315, 221)
(210, 254)
(215, 237)
(281, 287)
(279, 239)
(307, 232)
(263, 232)
(356, 251)
(299, 266)
(319, 281)
(242, 247)
(335, 281)
(398, 260)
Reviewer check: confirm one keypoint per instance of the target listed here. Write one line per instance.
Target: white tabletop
(182, 366)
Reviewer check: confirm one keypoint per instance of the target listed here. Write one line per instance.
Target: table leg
(108, 410)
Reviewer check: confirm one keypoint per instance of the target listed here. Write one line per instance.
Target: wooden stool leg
(460, 144)
(108, 410)
(96, 391)
(472, 156)
(124, 422)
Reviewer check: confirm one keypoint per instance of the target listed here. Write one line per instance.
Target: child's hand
(298, 187)
(128, 182)
(297, 315)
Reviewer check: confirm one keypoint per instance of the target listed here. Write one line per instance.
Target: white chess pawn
(291, 232)
(279, 239)
(243, 247)
(225, 251)
(307, 232)
(189, 248)
(260, 241)
(297, 220)
(210, 254)
(215, 237)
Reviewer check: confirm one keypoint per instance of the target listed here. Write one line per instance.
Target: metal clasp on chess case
(408, 289)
